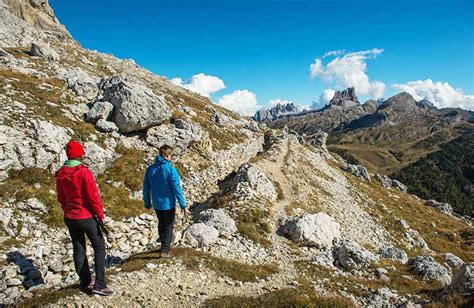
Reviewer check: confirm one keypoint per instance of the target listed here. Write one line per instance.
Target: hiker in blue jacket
(163, 182)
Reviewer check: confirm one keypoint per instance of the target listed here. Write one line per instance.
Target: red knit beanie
(74, 150)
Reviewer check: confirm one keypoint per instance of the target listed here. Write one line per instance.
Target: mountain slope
(273, 215)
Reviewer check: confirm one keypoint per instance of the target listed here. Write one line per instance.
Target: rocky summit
(273, 215)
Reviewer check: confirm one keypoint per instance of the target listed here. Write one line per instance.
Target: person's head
(166, 152)
(74, 150)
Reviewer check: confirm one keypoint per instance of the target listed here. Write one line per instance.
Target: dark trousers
(165, 228)
(78, 229)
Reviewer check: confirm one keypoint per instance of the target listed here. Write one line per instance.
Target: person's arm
(146, 191)
(92, 194)
(60, 194)
(175, 184)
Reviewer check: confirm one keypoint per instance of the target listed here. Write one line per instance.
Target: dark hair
(166, 150)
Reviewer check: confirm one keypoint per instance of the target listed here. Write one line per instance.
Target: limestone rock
(318, 140)
(357, 170)
(100, 110)
(97, 158)
(33, 205)
(106, 126)
(44, 51)
(180, 136)
(393, 253)
(320, 230)
(80, 82)
(428, 269)
(220, 220)
(353, 257)
(463, 281)
(136, 106)
(257, 180)
(201, 235)
(443, 207)
(453, 260)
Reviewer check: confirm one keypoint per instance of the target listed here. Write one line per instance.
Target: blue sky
(267, 47)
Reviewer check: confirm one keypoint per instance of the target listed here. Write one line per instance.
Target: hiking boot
(102, 292)
(164, 255)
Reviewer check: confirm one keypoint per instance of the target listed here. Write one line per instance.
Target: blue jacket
(162, 181)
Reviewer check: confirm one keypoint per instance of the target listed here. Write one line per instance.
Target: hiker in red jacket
(79, 198)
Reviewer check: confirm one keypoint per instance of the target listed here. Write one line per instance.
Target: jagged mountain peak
(344, 99)
(276, 112)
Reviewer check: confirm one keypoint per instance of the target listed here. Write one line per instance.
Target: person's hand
(184, 211)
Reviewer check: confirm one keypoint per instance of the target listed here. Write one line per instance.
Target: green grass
(298, 297)
(194, 259)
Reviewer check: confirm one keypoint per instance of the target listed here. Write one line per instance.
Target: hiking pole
(102, 226)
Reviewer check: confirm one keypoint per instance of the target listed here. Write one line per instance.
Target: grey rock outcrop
(344, 99)
(106, 126)
(393, 253)
(136, 106)
(319, 230)
(220, 220)
(453, 261)
(257, 180)
(201, 235)
(318, 140)
(428, 269)
(180, 136)
(100, 110)
(463, 281)
(80, 82)
(276, 112)
(33, 205)
(44, 51)
(353, 257)
(357, 170)
(441, 206)
(98, 158)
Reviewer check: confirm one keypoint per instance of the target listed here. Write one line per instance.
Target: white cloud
(349, 70)
(441, 94)
(274, 102)
(240, 101)
(333, 53)
(323, 98)
(202, 84)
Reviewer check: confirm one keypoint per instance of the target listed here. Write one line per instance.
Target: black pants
(78, 229)
(165, 228)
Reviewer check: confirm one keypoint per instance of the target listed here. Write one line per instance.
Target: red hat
(74, 150)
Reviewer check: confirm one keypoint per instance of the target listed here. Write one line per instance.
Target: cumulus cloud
(274, 102)
(240, 101)
(441, 94)
(202, 84)
(348, 70)
(323, 98)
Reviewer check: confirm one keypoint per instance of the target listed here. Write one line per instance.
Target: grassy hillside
(446, 175)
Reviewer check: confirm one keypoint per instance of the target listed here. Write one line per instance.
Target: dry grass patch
(194, 260)
(400, 279)
(449, 234)
(46, 297)
(253, 224)
(298, 297)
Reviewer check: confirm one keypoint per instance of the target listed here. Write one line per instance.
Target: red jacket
(78, 193)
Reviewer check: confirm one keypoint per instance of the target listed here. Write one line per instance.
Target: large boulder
(393, 253)
(80, 82)
(220, 220)
(44, 51)
(136, 106)
(357, 170)
(180, 136)
(453, 261)
(319, 230)
(106, 126)
(428, 269)
(257, 180)
(318, 140)
(201, 235)
(353, 257)
(441, 206)
(463, 281)
(100, 110)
